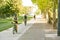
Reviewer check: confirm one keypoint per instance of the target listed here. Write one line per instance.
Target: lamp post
(58, 18)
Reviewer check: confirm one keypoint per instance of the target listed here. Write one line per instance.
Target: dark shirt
(15, 20)
(25, 17)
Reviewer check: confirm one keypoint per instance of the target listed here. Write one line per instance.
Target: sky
(27, 3)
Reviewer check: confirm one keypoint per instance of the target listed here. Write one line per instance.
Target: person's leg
(25, 22)
(16, 28)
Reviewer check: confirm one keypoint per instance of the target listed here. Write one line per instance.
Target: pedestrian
(34, 16)
(15, 24)
(25, 19)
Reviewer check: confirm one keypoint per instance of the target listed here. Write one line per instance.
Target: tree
(46, 6)
(55, 2)
(10, 8)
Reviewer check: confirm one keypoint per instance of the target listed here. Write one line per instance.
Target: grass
(6, 23)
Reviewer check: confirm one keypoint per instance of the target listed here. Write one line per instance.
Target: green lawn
(6, 23)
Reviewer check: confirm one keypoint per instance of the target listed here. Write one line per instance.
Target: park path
(40, 30)
(8, 34)
(35, 30)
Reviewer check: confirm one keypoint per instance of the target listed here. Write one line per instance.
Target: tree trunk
(44, 14)
(49, 18)
(59, 18)
(54, 15)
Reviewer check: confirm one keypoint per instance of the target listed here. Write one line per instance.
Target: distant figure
(25, 19)
(34, 16)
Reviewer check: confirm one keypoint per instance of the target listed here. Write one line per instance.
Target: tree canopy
(9, 8)
(44, 4)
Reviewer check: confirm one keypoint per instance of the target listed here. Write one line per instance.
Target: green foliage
(9, 8)
(45, 4)
(38, 12)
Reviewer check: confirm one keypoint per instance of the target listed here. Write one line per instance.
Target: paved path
(8, 35)
(40, 30)
(35, 32)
